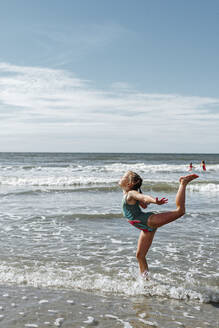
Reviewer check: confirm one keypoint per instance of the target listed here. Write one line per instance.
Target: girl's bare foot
(188, 178)
(145, 275)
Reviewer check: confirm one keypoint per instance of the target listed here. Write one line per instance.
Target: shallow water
(61, 229)
(30, 307)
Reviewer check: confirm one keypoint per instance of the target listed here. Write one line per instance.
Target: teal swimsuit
(135, 215)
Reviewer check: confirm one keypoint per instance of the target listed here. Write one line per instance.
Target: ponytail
(137, 181)
(137, 186)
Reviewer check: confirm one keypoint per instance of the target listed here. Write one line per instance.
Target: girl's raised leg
(158, 220)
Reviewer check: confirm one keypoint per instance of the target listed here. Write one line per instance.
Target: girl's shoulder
(131, 197)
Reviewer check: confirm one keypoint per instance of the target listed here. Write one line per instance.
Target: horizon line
(101, 152)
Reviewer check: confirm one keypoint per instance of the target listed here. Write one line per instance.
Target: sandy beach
(33, 307)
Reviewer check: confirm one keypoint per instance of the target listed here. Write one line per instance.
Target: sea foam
(52, 277)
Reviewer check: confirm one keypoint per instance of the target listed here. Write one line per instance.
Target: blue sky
(114, 76)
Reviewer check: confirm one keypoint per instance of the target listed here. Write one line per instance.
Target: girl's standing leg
(144, 243)
(158, 220)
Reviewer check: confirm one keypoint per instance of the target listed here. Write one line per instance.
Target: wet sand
(33, 307)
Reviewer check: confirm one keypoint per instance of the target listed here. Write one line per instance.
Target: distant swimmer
(203, 165)
(190, 167)
(148, 222)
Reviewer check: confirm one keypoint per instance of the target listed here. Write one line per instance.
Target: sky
(109, 76)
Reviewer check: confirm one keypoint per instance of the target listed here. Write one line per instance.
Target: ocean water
(62, 233)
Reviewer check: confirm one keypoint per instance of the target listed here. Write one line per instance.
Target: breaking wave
(86, 183)
(52, 275)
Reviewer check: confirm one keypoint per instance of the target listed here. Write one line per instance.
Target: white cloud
(55, 105)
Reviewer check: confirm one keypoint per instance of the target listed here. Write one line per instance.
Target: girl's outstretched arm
(145, 199)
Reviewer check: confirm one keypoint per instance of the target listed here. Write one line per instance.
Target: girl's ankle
(145, 275)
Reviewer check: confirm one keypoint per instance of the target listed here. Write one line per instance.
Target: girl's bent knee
(181, 211)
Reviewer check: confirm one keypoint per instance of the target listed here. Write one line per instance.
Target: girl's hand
(162, 201)
(143, 205)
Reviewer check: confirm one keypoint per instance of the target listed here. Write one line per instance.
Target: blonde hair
(136, 180)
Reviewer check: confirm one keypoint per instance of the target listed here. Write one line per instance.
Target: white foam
(43, 301)
(90, 320)
(116, 241)
(150, 323)
(59, 322)
(55, 181)
(52, 311)
(114, 167)
(205, 187)
(147, 168)
(180, 323)
(24, 298)
(170, 248)
(50, 275)
(187, 315)
(93, 175)
(126, 323)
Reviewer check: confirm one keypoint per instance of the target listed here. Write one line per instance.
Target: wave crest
(53, 276)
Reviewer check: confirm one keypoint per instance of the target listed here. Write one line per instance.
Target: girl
(190, 167)
(148, 222)
(203, 165)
